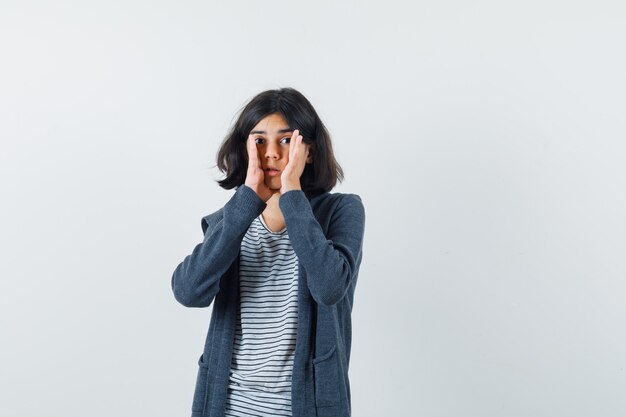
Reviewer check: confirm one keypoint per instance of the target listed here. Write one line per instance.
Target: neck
(272, 216)
(273, 209)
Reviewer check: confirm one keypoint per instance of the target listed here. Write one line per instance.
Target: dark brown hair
(321, 175)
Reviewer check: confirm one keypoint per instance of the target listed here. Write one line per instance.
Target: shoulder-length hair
(321, 175)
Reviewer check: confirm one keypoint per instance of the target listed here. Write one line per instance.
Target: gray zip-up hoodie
(326, 232)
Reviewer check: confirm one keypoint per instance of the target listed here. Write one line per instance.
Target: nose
(272, 151)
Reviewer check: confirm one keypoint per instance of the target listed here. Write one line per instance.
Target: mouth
(271, 171)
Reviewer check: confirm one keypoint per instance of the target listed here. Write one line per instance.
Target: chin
(274, 186)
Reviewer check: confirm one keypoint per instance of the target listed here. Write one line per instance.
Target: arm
(195, 281)
(331, 262)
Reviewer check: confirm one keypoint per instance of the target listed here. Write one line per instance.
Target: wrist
(289, 187)
(263, 193)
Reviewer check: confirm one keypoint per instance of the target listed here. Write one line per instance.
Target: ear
(311, 149)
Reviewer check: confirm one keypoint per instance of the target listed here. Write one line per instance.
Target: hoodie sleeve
(331, 262)
(195, 281)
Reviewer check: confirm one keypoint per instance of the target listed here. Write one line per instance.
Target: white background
(486, 139)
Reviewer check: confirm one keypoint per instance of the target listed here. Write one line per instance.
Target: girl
(280, 263)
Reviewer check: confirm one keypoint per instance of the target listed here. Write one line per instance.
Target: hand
(298, 154)
(255, 177)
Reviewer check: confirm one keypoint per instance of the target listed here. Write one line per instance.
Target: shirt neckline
(280, 232)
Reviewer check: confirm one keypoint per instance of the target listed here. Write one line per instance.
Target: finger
(249, 144)
(249, 150)
(253, 153)
(293, 140)
(299, 147)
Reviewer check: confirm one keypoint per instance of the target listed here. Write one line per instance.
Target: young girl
(280, 263)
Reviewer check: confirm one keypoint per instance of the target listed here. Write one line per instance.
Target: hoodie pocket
(326, 376)
(200, 393)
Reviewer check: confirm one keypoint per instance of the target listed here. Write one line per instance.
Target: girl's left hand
(298, 153)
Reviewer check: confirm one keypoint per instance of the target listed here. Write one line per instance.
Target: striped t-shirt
(265, 336)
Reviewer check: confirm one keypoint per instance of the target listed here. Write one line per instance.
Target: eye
(286, 140)
(258, 141)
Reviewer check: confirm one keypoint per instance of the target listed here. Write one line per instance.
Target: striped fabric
(265, 337)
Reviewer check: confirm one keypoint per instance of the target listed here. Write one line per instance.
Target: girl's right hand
(255, 177)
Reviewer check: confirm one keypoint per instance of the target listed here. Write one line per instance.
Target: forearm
(331, 262)
(195, 281)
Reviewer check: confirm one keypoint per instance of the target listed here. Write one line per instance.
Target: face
(272, 136)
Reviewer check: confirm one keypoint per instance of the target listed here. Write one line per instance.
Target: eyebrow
(263, 132)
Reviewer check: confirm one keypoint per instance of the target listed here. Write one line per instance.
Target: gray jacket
(326, 232)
